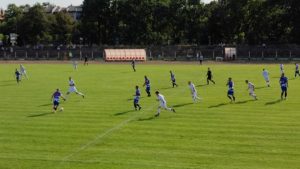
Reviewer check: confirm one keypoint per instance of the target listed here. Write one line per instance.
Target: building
(75, 11)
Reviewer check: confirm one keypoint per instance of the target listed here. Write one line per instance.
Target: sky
(63, 3)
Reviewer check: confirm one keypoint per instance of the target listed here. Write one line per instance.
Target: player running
(209, 76)
(162, 104)
(266, 77)
(147, 84)
(297, 70)
(281, 68)
(137, 98)
(173, 79)
(230, 92)
(23, 71)
(193, 91)
(73, 88)
(251, 89)
(284, 85)
(18, 76)
(55, 98)
(133, 65)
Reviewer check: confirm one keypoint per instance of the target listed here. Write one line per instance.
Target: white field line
(107, 132)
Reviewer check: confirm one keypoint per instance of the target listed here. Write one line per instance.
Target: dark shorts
(297, 71)
(283, 88)
(55, 103)
(230, 92)
(148, 89)
(209, 77)
(173, 80)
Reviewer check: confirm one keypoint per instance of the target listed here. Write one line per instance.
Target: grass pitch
(103, 131)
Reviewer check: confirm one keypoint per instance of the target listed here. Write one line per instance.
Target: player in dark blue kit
(230, 93)
(18, 76)
(137, 98)
(173, 79)
(55, 97)
(284, 85)
(147, 84)
(133, 65)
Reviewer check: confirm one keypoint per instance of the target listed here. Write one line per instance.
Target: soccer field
(102, 131)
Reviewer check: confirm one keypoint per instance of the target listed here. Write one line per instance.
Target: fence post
(15, 55)
(175, 55)
(26, 55)
(150, 54)
(92, 55)
(213, 54)
(80, 54)
(291, 56)
(4, 55)
(58, 55)
(249, 55)
(276, 56)
(262, 55)
(47, 55)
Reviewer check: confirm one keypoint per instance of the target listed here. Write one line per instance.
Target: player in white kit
(162, 104)
(281, 68)
(23, 71)
(251, 89)
(72, 88)
(266, 77)
(193, 91)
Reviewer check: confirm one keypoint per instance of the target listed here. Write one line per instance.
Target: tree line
(159, 22)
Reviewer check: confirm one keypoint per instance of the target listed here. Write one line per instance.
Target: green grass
(102, 131)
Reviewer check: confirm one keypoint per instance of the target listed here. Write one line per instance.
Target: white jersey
(297, 67)
(250, 86)
(71, 83)
(192, 87)
(161, 99)
(281, 67)
(266, 74)
(72, 86)
(22, 69)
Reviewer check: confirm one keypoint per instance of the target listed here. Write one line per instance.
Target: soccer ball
(61, 109)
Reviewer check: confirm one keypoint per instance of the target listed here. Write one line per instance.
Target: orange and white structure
(125, 55)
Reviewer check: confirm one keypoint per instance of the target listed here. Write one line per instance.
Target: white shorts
(23, 72)
(194, 95)
(267, 79)
(163, 105)
(251, 92)
(72, 89)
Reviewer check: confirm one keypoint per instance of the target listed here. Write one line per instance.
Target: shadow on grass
(4, 85)
(39, 115)
(45, 105)
(125, 112)
(273, 102)
(202, 85)
(261, 87)
(219, 105)
(4, 81)
(244, 102)
(182, 105)
(146, 119)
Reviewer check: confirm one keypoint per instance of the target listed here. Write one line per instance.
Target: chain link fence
(167, 53)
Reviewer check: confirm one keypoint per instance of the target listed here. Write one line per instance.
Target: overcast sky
(64, 3)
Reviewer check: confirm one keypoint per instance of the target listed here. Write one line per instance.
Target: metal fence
(180, 52)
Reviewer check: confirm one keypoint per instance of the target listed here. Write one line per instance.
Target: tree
(35, 26)
(62, 27)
